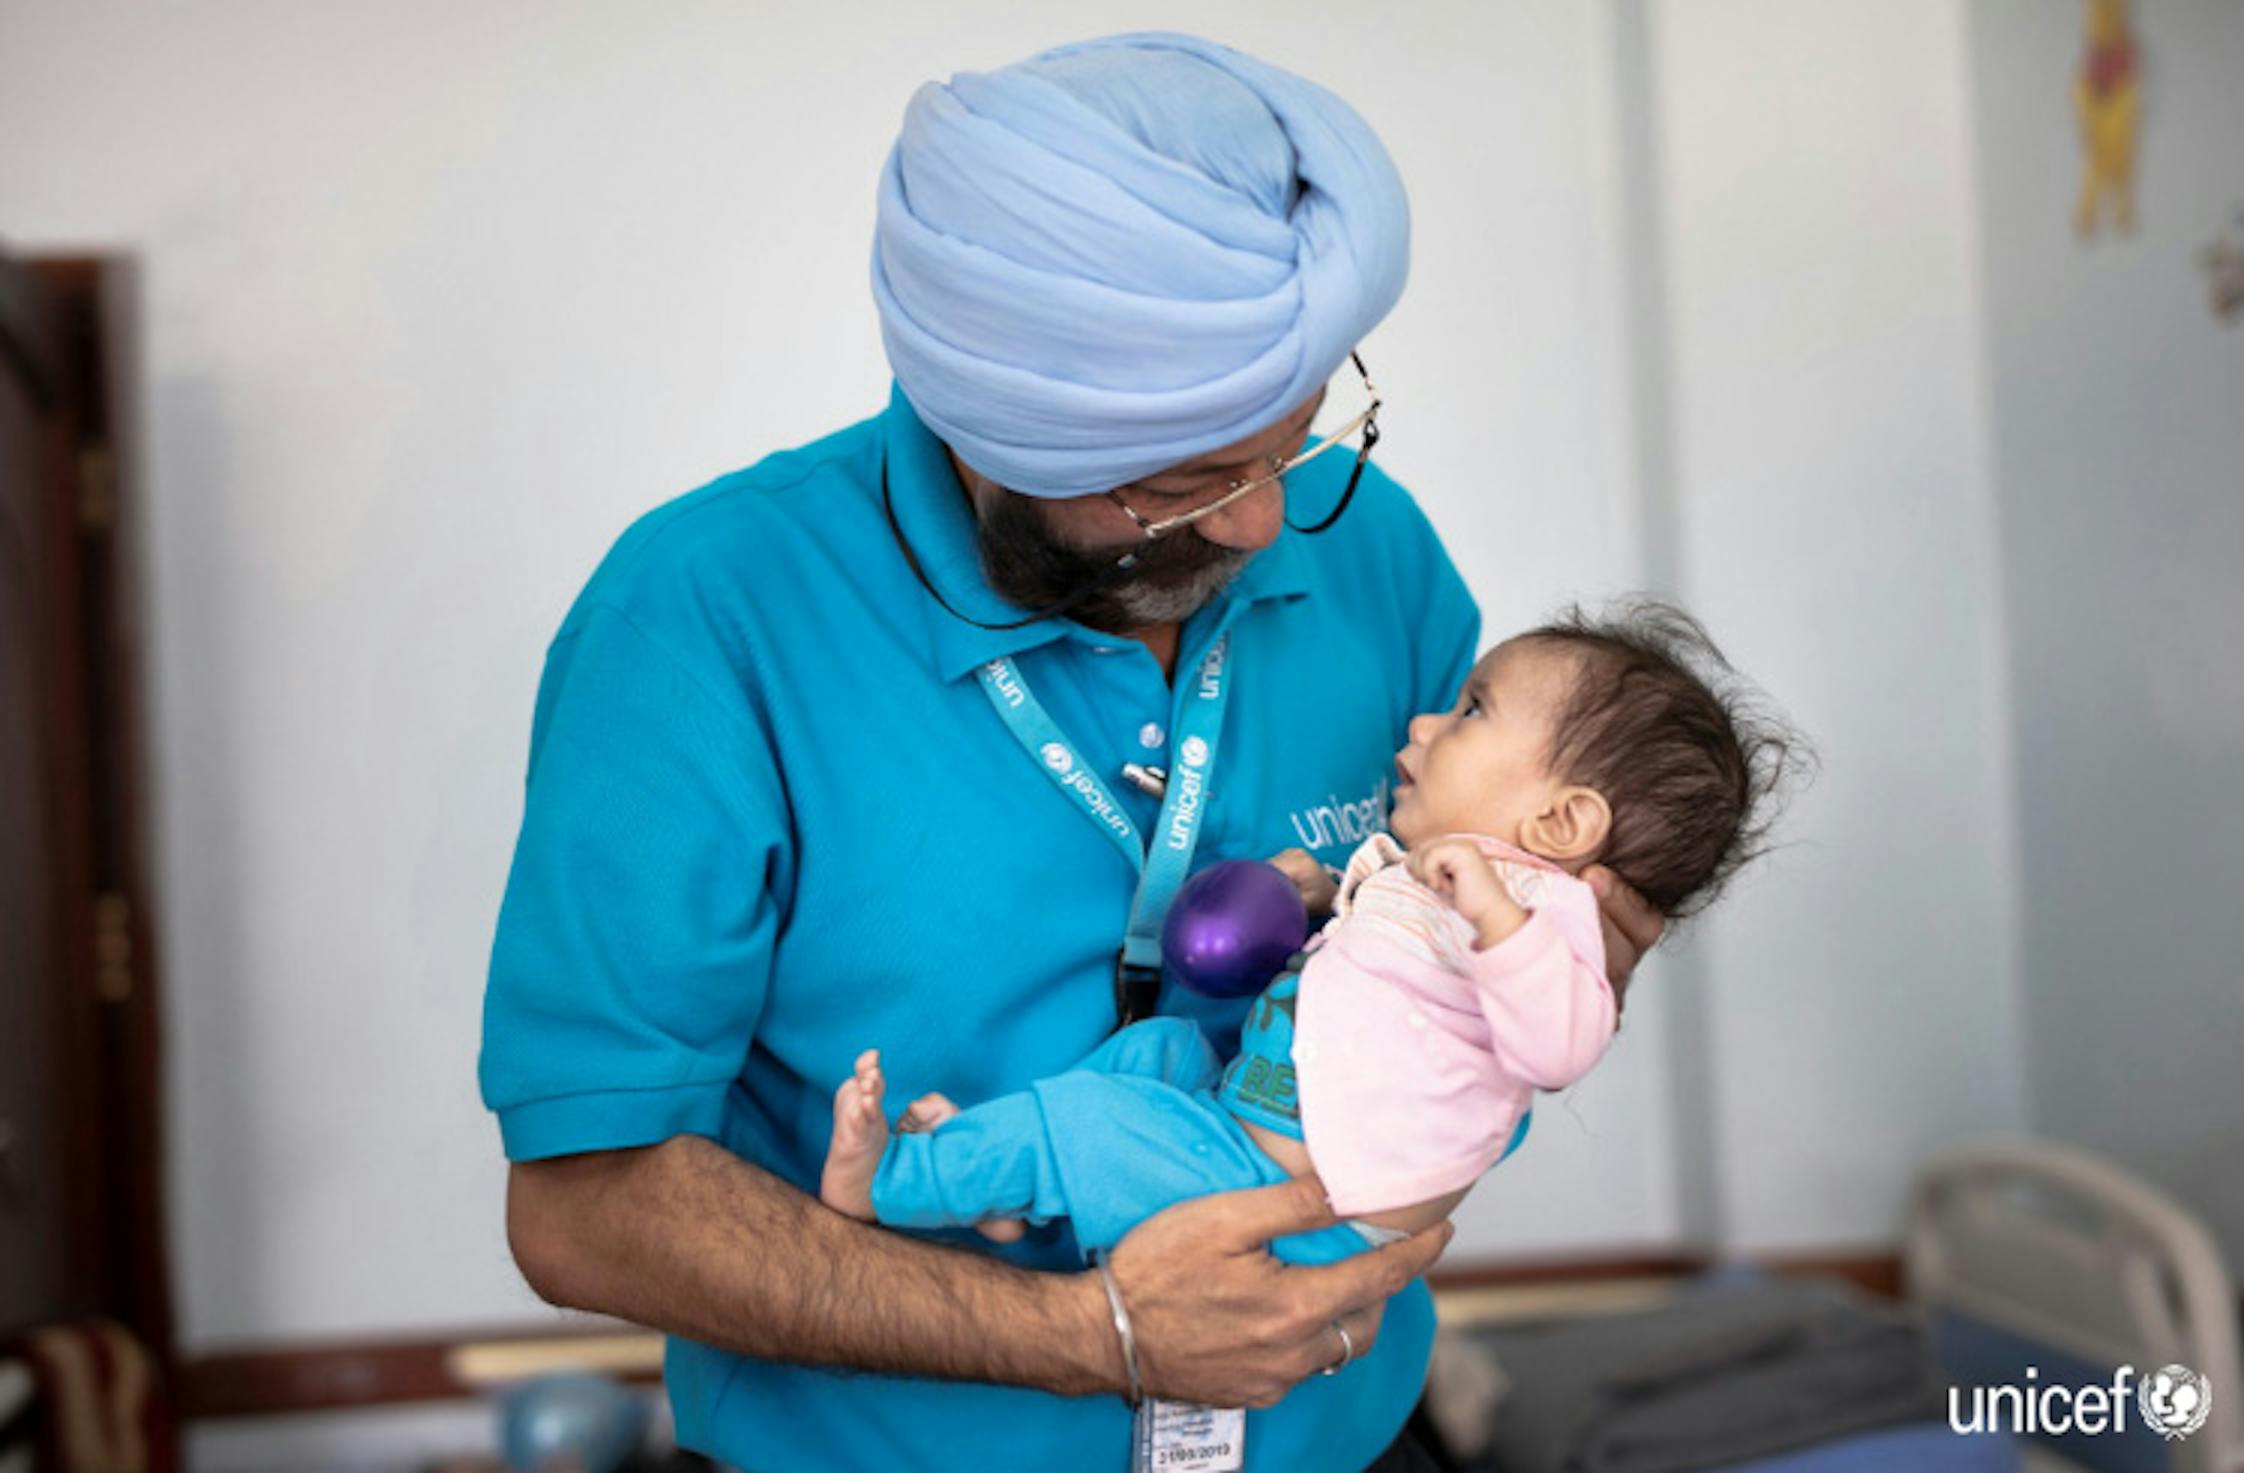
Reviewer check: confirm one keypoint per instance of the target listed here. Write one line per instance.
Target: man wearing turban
(907, 736)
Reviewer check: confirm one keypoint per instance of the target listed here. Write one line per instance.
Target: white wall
(2119, 431)
(1826, 462)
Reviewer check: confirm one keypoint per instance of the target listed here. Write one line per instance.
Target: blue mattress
(1929, 1446)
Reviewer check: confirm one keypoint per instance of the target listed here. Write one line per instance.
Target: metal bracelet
(1136, 1392)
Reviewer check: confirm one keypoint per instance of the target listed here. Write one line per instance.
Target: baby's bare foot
(860, 1135)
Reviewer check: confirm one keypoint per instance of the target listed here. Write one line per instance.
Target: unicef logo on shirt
(1056, 757)
(2175, 1401)
(1194, 752)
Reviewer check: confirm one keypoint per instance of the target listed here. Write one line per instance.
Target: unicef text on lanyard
(1165, 1436)
(1161, 864)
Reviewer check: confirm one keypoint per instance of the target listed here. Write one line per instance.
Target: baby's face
(1479, 766)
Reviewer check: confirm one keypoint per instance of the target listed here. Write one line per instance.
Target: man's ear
(1573, 828)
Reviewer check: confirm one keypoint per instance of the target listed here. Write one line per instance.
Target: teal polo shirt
(772, 818)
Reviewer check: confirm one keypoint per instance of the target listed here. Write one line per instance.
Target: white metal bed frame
(2061, 1247)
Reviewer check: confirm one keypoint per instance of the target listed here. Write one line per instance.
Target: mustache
(1033, 568)
(1015, 539)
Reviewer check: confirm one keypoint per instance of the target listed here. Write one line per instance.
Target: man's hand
(1312, 879)
(1219, 1322)
(1631, 926)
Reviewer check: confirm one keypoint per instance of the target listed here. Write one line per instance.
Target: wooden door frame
(64, 323)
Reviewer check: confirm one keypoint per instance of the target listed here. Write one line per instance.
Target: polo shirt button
(1150, 736)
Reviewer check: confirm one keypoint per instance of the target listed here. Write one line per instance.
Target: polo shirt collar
(937, 522)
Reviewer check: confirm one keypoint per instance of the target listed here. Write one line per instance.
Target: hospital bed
(2027, 1253)
(2028, 1265)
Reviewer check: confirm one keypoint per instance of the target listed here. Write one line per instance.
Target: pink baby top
(1415, 1053)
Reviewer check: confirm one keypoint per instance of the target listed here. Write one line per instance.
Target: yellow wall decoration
(2107, 97)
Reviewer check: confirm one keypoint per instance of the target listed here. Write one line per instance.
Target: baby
(1462, 972)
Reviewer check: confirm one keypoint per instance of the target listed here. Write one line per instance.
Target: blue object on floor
(570, 1419)
(1925, 1447)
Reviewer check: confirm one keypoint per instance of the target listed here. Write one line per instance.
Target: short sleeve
(1439, 613)
(1454, 643)
(1452, 624)
(634, 943)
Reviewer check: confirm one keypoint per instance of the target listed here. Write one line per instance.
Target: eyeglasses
(1366, 424)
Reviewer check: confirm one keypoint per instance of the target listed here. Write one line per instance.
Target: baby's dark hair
(1692, 762)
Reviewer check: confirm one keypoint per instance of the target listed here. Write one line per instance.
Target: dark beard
(1028, 565)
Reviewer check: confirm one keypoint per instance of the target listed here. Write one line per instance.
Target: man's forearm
(687, 1238)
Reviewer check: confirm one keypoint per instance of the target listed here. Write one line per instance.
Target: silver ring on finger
(1347, 1350)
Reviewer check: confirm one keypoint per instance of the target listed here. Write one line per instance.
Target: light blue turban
(1121, 254)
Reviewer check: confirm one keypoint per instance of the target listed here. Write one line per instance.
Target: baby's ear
(1573, 828)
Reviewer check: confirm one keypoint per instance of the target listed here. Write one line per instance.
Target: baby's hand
(1459, 873)
(1312, 879)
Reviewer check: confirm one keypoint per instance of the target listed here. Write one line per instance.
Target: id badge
(1177, 1437)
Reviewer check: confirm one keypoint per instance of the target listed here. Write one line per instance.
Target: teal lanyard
(1161, 864)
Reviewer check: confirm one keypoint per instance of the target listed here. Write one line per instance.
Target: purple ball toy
(1232, 927)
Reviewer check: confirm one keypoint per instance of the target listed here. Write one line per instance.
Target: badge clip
(1151, 781)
